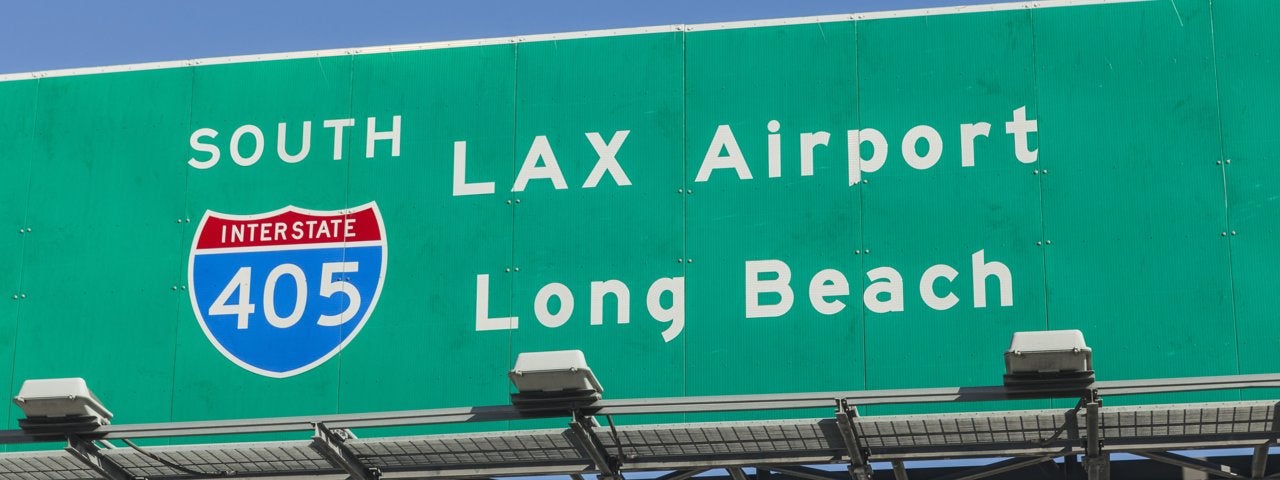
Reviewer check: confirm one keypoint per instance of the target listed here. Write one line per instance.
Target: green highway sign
(841, 203)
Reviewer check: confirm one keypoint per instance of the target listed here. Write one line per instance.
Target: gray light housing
(1055, 358)
(547, 372)
(61, 400)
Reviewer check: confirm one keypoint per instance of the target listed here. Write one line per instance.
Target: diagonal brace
(1191, 463)
(331, 444)
(859, 469)
(608, 465)
(997, 468)
(87, 453)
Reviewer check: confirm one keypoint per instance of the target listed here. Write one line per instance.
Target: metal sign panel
(826, 204)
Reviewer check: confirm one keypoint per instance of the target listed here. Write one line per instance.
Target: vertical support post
(608, 465)
(899, 471)
(1096, 462)
(331, 444)
(1260, 454)
(859, 468)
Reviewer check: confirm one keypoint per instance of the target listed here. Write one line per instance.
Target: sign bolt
(1048, 242)
(679, 190)
(517, 269)
(15, 296)
(1224, 234)
(679, 260)
(506, 269)
(1219, 162)
(867, 251)
(508, 202)
(1035, 172)
(1228, 161)
(857, 252)
(690, 260)
(517, 200)
(1039, 242)
(22, 296)
(690, 191)
(182, 287)
(1233, 232)
(174, 288)
(864, 181)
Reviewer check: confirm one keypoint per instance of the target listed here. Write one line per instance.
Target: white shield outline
(373, 303)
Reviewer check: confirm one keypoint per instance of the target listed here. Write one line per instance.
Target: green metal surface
(992, 206)
(1123, 222)
(802, 77)
(1248, 62)
(206, 385)
(1134, 211)
(17, 133)
(422, 338)
(102, 263)
(601, 231)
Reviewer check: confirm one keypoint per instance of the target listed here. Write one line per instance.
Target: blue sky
(40, 35)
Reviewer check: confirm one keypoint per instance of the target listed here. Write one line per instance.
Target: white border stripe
(995, 7)
(295, 246)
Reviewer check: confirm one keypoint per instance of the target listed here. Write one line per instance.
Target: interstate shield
(278, 293)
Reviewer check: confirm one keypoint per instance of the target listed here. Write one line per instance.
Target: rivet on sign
(517, 200)
(507, 269)
(1233, 232)
(867, 251)
(857, 252)
(679, 190)
(175, 288)
(1044, 172)
(508, 202)
(1224, 234)
(1219, 162)
(1035, 172)
(679, 260)
(1039, 243)
(21, 231)
(28, 229)
(690, 191)
(182, 287)
(1228, 161)
(15, 296)
(864, 180)
(179, 220)
(690, 260)
(517, 269)
(22, 296)
(1048, 242)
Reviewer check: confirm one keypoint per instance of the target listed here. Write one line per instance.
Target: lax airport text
(921, 148)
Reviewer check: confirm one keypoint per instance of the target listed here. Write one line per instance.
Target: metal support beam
(899, 471)
(676, 475)
(736, 473)
(996, 468)
(1096, 462)
(87, 453)
(589, 444)
(859, 469)
(1260, 454)
(330, 444)
(806, 473)
(1192, 463)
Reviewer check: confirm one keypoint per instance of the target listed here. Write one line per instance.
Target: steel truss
(1075, 442)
